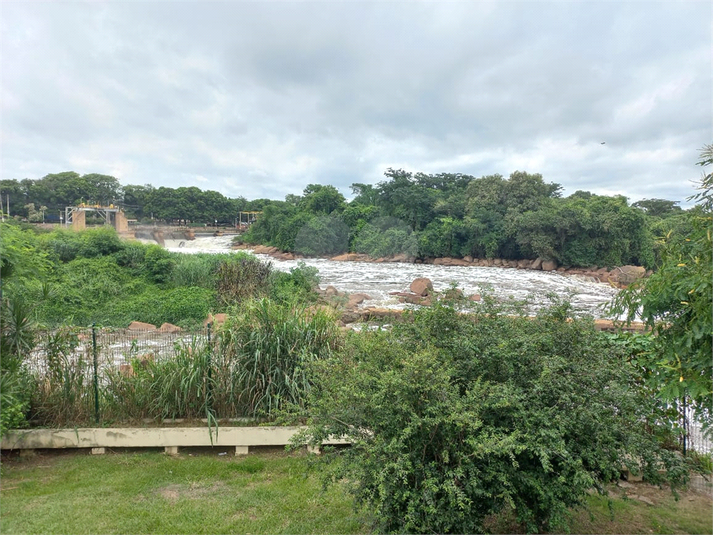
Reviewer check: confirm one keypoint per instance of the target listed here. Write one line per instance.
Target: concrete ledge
(98, 438)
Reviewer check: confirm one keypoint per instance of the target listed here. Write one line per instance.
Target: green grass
(155, 493)
(262, 493)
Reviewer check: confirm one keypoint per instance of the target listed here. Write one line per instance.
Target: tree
(658, 207)
(321, 200)
(676, 302)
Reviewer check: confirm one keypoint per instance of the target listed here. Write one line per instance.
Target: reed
(270, 347)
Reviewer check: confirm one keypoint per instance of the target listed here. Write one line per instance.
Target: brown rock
(536, 264)
(169, 328)
(475, 297)
(379, 313)
(549, 265)
(411, 298)
(126, 370)
(422, 286)
(627, 274)
(357, 299)
(523, 264)
(468, 259)
(331, 291)
(140, 326)
(402, 257)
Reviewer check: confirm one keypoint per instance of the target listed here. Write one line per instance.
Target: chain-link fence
(81, 373)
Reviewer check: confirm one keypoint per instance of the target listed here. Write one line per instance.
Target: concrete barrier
(98, 439)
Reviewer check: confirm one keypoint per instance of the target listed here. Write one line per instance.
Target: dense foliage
(677, 303)
(411, 214)
(428, 216)
(79, 278)
(46, 198)
(453, 418)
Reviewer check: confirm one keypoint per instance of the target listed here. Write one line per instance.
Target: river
(378, 280)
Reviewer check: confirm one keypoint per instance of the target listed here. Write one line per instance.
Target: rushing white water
(377, 280)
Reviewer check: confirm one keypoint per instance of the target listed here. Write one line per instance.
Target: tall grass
(63, 393)
(270, 347)
(257, 363)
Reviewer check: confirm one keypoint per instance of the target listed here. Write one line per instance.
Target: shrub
(242, 278)
(186, 307)
(296, 286)
(63, 393)
(453, 419)
(159, 263)
(14, 400)
(101, 241)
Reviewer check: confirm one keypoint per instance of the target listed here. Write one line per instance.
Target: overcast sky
(259, 99)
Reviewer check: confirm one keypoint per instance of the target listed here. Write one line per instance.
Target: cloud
(261, 99)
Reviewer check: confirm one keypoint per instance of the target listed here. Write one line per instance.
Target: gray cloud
(260, 99)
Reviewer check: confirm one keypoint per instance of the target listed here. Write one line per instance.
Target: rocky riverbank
(619, 277)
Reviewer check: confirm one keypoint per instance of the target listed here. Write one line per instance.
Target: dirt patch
(194, 490)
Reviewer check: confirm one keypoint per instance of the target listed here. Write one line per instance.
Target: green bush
(159, 263)
(186, 307)
(296, 286)
(385, 237)
(455, 418)
(15, 392)
(101, 241)
(63, 392)
(197, 270)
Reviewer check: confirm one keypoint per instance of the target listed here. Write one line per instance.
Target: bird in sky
(603, 143)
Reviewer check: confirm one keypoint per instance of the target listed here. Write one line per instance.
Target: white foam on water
(378, 280)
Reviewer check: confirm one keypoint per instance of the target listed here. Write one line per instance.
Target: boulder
(536, 264)
(357, 299)
(410, 298)
(626, 275)
(549, 265)
(523, 264)
(169, 328)
(422, 286)
(402, 257)
(140, 326)
(475, 298)
(331, 291)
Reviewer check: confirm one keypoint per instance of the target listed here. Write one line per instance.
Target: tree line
(413, 214)
(456, 215)
(45, 198)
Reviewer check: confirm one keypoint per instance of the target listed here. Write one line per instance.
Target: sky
(260, 99)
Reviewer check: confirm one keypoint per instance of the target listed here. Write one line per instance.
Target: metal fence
(103, 349)
(94, 352)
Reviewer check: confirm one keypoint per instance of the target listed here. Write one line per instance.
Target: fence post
(209, 389)
(685, 427)
(96, 379)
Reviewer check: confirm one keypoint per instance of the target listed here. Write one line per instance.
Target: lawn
(262, 493)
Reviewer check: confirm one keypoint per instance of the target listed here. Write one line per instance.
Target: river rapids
(379, 280)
